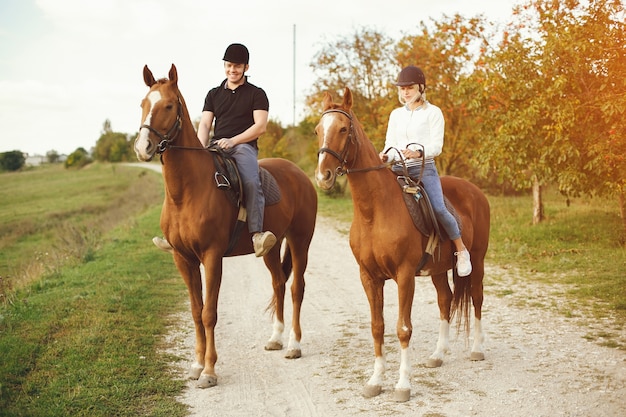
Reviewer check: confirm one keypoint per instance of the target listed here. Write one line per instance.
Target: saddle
(227, 179)
(423, 216)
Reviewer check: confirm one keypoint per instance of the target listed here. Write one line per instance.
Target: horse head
(161, 114)
(335, 132)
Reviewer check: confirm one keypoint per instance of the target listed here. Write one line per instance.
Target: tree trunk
(537, 202)
(622, 211)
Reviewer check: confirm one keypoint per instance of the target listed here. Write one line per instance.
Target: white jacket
(424, 125)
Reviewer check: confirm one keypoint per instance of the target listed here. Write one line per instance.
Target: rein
(343, 157)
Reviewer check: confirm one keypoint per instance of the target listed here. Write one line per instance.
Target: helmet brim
(404, 83)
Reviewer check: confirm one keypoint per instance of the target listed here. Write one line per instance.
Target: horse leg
(213, 281)
(444, 300)
(277, 306)
(478, 266)
(375, 295)
(193, 280)
(404, 330)
(299, 256)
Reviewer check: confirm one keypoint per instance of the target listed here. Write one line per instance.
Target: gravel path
(538, 362)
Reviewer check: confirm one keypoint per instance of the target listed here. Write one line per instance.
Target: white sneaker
(263, 242)
(162, 244)
(463, 263)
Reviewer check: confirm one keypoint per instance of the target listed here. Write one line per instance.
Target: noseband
(171, 134)
(343, 157)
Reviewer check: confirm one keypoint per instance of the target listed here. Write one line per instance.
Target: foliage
(52, 156)
(12, 161)
(363, 62)
(268, 141)
(554, 97)
(113, 146)
(293, 143)
(78, 159)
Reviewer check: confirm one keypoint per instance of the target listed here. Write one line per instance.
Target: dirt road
(538, 363)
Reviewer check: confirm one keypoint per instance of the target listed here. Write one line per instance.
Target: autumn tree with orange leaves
(554, 99)
(540, 102)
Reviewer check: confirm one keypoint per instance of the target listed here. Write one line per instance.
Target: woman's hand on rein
(409, 154)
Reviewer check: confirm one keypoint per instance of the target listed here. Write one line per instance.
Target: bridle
(168, 138)
(171, 133)
(343, 156)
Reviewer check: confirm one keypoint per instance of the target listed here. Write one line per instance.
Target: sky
(67, 66)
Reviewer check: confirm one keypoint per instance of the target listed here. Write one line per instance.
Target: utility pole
(294, 76)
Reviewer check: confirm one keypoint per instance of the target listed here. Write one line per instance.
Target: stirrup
(222, 181)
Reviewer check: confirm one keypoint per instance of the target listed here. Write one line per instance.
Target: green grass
(578, 246)
(50, 216)
(86, 337)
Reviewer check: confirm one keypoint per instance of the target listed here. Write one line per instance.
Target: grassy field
(85, 299)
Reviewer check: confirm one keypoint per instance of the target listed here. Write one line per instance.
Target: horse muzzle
(325, 178)
(144, 148)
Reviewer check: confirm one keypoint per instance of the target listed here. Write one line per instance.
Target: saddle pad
(270, 187)
(421, 221)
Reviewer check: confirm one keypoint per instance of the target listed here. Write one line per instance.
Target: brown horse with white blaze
(198, 220)
(387, 245)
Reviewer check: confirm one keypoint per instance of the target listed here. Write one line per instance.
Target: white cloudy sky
(68, 65)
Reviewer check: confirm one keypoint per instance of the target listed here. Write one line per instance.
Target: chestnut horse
(387, 245)
(198, 220)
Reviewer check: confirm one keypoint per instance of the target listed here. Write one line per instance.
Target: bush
(12, 161)
(78, 159)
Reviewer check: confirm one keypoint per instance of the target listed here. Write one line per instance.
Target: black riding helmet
(237, 54)
(411, 75)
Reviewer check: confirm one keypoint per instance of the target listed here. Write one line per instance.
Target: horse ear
(173, 76)
(327, 101)
(347, 98)
(148, 78)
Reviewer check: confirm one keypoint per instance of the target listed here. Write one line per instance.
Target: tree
(364, 62)
(12, 161)
(553, 95)
(52, 156)
(508, 111)
(270, 138)
(113, 146)
(78, 159)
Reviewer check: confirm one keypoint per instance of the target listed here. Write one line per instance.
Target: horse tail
(287, 266)
(461, 302)
(287, 263)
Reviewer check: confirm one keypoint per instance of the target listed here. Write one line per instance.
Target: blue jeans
(432, 186)
(246, 158)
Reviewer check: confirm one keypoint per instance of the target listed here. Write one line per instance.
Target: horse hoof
(207, 381)
(372, 390)
(273, 346)
(434, 363)
(293, 354)
(401, 395)
(477, 356)
(194, 373)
